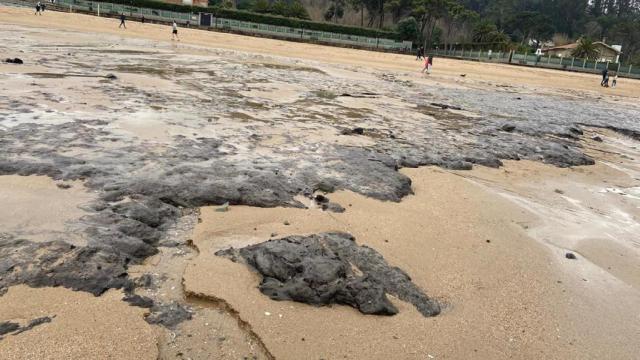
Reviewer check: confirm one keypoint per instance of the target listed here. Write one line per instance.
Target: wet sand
(476, 74)
(36, 208)
(505, 295)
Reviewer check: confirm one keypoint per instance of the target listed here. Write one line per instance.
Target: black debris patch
(508, 127)
(354, 131)
(445, 106)
(14, 61)
(33, 323)
(57, 263)
(137, 300)
(8, 327)
(168, 315)
(570, 256)
(333, 207)
(328, 268)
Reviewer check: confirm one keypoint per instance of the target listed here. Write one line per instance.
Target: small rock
(597, 138)
(321, 199)
(110, 76)
(63, 186)
(508, 127)
(570, 255)
(488, 241)
(267, 313)
(558, 191)
(286, 222)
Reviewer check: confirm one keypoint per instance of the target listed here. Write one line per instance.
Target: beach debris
(168, 315)
(596, 138)
(14, 61)
(63, 185)
(33, 323)
(570, 256)
(508, 127)
(333, 207)
(445, 106)
(286, 222)
(8, 327)
(328, 268)
(558, 191)
(357, 131)
(110, 76)
(223, 208)
(137, 300)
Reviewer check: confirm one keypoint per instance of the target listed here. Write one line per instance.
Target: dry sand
(488, 243)
(477, 74)
(82, 326)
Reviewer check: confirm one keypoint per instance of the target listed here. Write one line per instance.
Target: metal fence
(551, 62)
(102, 8)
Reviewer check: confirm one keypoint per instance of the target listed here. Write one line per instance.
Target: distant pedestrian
(42, 7)
(122, 18)
(174, 33)
(605, 77)
(419, 53)
(142, 20)
(615, 81)
(38, 9)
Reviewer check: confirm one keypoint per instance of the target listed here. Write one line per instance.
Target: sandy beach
(510, 196)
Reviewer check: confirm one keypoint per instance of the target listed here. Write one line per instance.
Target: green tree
(335, 10)
(407, 29)
(261, 6)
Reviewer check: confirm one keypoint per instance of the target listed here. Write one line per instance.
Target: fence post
(618, 70)
(572, 60)
(595, 67)
(584, 63)
(525, 56)
(630, 69)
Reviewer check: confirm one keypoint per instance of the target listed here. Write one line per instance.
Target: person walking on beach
(605, 78)
(142, 20)
(42, 7)
(428, 62)
(420, 53)
(615, 81)
(38, 9)
(122, 18)
(174, 33)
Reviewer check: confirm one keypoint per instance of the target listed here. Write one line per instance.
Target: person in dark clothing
(122, 18)
(38, 9)
(142, 20)
(605, 78)
(42, 7)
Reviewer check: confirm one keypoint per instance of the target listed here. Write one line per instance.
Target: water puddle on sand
(37, 209)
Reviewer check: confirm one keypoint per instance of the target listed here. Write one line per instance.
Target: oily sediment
(201, 130)
(328, 268)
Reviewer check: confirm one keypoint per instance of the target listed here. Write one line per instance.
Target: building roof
(574, 45)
